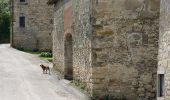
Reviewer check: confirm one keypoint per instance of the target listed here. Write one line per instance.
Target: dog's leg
(43, 71)
(46, 71)
(49, 72)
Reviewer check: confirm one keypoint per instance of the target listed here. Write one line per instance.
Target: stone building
(32, 25)
(108, 46)
(164, 52)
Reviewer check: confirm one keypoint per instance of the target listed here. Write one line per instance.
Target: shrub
(19, 48)
(46, 54)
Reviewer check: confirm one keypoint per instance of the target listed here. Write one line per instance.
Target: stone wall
(78, 25)
(115, 46)
(38, 28)
(82, 52)
(125, 48)
(164, 47)
(58, 37)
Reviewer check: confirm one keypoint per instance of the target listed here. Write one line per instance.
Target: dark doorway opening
(68, 57)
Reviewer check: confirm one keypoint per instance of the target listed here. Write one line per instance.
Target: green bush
(46, 54)
(19, 48)
(5, 21)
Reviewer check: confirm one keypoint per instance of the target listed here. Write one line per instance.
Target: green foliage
(46, 54)
(43, 55)
(50, 59)
(19, 47)
(4, 6)
(4, 20)
(78, 85)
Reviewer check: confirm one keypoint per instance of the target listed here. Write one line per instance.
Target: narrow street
(21, 78)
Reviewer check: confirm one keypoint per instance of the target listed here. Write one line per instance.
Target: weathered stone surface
(115, 46)
(79, 29)
(37, 33)
(58, 37)
(164, 47)
(125, 41)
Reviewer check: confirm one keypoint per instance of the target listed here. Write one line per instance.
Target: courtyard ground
(21, 78)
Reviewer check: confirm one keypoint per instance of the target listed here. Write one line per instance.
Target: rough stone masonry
(36, 34)
(114, 46)
(125, 47)
(164, 50)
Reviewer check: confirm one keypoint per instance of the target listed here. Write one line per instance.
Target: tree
(4, 21)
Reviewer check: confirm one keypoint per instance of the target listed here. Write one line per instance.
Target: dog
(45, 69)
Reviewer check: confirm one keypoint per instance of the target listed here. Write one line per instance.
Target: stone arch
(68, 56)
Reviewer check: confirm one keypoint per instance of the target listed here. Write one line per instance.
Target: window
(22, 0)
(22, 21)
(160, 85)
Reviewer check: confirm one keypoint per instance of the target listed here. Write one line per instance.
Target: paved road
(21, 78)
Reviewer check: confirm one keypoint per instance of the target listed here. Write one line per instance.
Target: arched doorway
(68, 53)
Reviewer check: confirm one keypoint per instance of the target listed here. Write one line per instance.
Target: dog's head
(41, 65)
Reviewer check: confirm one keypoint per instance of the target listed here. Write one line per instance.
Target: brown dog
(45, 69)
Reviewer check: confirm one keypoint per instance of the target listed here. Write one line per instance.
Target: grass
(77, 85)
(42, 56)
(50, 59)
(36, 53)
